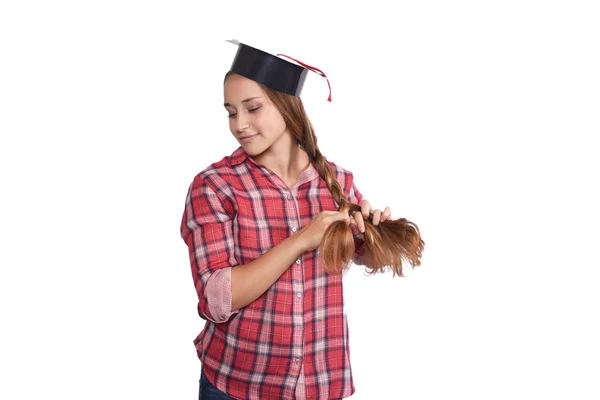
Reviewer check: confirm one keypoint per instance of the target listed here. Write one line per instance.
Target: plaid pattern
(236, 210)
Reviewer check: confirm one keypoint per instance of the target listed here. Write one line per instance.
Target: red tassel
(317, 70)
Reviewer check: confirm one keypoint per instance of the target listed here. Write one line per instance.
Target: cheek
(275, 123)
(281, 124)
(269, 123)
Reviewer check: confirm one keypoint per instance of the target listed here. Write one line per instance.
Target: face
(253, 119)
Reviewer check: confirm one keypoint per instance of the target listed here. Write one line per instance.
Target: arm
(223, 286)
(207, 229)
(232, 288)
(250, 281)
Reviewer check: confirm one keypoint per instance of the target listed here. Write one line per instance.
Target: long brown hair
(388, 243)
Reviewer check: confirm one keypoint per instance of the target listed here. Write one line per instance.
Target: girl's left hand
(358, 218)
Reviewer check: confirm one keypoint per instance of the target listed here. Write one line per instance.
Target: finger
(365, 207)
(353, 220)
(376, 217)
(386, 215)
(359, 221)
(341, 216)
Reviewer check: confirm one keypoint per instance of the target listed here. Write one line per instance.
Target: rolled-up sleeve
(354, 196)
(207, 229)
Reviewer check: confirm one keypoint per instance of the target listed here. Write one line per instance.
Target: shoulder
(216, 177)
(344, 176)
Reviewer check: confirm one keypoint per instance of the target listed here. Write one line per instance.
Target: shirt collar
(240, 155)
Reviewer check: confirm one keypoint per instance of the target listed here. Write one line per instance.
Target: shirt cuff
(218, 293)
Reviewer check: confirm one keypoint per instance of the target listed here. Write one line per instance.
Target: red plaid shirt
(291, 342)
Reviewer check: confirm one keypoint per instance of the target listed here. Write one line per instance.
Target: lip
(248, 138)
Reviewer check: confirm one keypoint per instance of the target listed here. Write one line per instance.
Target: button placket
(297, 279)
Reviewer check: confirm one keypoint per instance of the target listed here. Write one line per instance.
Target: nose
(241, 124)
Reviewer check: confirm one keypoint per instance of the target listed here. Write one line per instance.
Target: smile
(248, 138)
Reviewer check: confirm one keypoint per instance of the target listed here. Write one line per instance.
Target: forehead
(238, 88)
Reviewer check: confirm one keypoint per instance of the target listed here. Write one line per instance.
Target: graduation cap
(272, 71)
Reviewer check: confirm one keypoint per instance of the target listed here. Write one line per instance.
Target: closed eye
(252, 110)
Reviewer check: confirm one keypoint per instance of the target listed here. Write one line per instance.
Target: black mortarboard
(271, 71)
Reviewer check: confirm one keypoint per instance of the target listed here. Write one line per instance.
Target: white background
(475, 120)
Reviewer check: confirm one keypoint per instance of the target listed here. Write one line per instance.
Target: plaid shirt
(292, 341)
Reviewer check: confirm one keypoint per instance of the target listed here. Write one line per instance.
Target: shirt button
(298, 261)
(300, 327)
(294, 229)
(297, 361)
(299, 294)
(289, 196)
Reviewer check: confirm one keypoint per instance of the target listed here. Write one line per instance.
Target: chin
(255, 145)
(254, 150)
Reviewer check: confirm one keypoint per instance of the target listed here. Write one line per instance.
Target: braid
(328, 176)
(388, 243)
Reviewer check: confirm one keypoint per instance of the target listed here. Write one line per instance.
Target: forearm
(250, 281)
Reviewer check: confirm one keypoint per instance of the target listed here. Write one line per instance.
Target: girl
(276, 326)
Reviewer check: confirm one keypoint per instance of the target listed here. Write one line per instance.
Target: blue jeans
(209, 392)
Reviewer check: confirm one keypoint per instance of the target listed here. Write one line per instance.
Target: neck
(285, 158)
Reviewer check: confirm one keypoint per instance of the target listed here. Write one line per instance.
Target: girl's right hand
(310, 236)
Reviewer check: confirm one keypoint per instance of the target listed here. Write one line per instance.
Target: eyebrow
(243, 101)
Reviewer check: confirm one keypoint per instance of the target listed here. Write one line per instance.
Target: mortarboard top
(272, 71)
